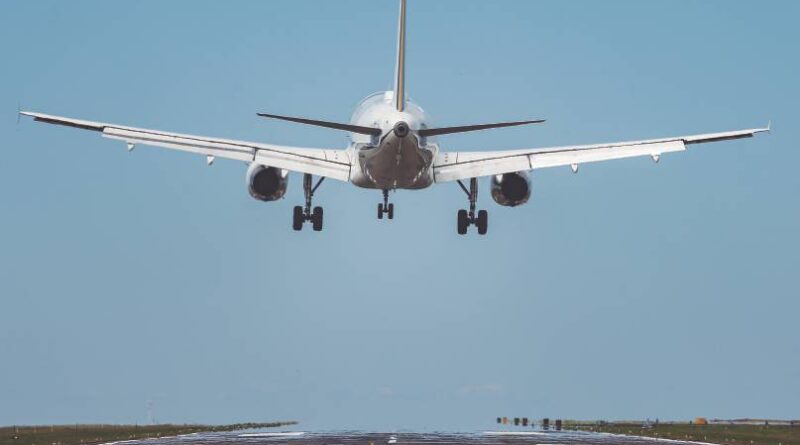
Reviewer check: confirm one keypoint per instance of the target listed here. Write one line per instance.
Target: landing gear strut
(303, 214)
(465, 219)
(386, 207)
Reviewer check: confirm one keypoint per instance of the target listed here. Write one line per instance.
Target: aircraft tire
(297, 218)
(316, 219)
(482, 222)
(462, 222)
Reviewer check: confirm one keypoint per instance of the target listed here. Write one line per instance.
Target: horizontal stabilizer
(335, 125)
(463, 129)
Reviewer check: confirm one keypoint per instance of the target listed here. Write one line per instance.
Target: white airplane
(393, 147)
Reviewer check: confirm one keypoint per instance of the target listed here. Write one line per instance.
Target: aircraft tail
(400, 68)
(400, 100)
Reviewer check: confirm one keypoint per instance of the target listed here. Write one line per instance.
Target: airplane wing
(453, 166)
(334, 164)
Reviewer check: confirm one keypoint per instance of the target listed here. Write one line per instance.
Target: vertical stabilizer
(400, 69)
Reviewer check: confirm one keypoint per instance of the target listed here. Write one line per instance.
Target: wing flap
(476, 169)
(569, 157)
(463, 165)
(334, 164)
(320, 167)
(204, 147)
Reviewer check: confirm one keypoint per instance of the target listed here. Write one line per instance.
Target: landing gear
(465, 219)
(303, 214)
(386, 207)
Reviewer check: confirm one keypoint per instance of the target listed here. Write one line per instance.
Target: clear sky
(630, 290)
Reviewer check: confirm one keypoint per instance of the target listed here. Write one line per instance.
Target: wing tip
(767, 129)
(21, 112)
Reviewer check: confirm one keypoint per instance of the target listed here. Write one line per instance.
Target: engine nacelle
(511, 189)
(266, 183)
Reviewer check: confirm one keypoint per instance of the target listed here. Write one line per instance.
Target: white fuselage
(390, 161)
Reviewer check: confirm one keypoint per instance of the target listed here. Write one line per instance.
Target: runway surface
(402, 438)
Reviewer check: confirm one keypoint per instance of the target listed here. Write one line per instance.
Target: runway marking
(287, 434)
(659, 439)
(144, 439)
(515, 433)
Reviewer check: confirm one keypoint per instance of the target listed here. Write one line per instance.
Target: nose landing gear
(386, 207)
(465, 218)
(302, 214)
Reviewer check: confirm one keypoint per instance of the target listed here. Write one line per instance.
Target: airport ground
(96, 434)
(740, 434)
(577, 433)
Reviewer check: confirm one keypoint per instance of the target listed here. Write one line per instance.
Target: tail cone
(401, 129)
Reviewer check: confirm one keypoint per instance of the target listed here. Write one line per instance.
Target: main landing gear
(303, 214)
(465, 219)
(386, 207)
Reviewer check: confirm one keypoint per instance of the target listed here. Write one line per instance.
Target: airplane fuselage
(398, 158)
(392, 147)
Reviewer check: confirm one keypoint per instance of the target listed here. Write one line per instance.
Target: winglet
(769, 126)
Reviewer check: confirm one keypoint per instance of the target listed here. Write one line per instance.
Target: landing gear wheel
(301, 214)
(316, 219)
(482, 222)
(467, 218)
(462, 222)
(298, 218)
(386, 208)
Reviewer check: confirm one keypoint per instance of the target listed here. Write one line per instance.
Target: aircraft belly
(397, 163)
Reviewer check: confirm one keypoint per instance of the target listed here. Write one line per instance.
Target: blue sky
(630, 290)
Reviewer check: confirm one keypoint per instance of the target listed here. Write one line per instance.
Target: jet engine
(511, 189)
(266, 183)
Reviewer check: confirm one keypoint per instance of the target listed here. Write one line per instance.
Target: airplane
(393, 147)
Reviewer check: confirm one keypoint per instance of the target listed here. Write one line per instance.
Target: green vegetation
(95, 434)
(714, 433)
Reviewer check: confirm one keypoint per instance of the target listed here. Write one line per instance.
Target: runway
(520, 437)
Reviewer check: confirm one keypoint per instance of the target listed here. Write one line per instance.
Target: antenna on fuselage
(400, 68)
